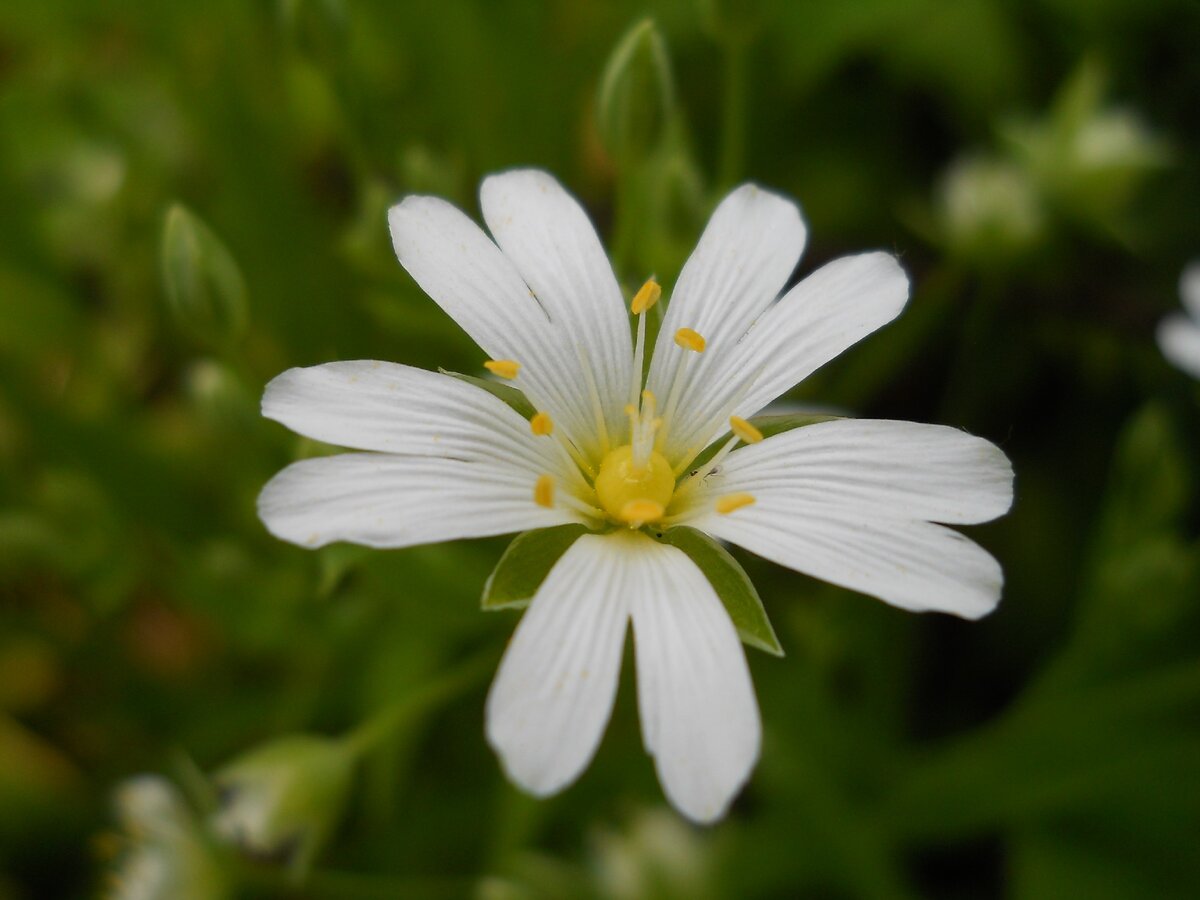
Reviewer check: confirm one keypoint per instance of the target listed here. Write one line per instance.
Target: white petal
(1189, 290)
(1179, 340)
(823, 315)
(382, 500)
(867, 467)
(743, 260)
(391, 408)
(552, 697)
(454, 262)
(698, 710)
(914, 565)
(547, 235)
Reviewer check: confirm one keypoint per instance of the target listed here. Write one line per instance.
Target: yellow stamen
(690, 340)
(505, 368)
(638, 512)
(744, 430)
(541, 424)
(543, 491)
(646, 297)
(731, 502)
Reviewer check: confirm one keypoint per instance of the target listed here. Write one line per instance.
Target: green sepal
(525, 565)
(507, 393)
(768, 425)
(732, 585)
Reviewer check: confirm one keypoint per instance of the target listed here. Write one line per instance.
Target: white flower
(1179, 333)
(851, 502)
(167, 856)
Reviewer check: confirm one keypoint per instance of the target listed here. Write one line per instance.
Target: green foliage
(507, 393)
(525, 565)
(1035, 166)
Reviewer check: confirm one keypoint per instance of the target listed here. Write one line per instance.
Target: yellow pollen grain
(543, 491)
(505, 368)
(541, 424)
(690, 340)
(744, 430)
(731, 502)
(646, 297)
(635, 512)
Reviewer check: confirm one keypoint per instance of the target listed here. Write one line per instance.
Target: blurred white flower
(851, 502)
(655, 855)
(1179, 333)
(167, 857)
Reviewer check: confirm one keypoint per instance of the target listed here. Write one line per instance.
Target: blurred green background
(1036, 165)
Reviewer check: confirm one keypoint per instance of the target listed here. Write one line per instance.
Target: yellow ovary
(633, 493)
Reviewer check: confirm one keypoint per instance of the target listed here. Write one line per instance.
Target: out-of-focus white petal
(382, 500)
(369, 405)
(823, 315)
(698, 710)
(552, 697)
(1179, 340)
(547, 235)
(1189, 290)
(743, 260)
(869, 467)
(454, 262)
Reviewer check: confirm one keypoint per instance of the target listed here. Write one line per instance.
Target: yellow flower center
(633, 493)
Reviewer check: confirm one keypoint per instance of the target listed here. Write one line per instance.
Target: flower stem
(733, 111)
(384, 723)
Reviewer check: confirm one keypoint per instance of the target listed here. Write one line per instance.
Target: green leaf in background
(525, 565)
(204, 286)
(507, 393)
(1149, 487)
(732, 585)
(768, 425)
(637, 94)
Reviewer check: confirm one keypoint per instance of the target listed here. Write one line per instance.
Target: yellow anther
(690, 340)
(637, 512)
(646, 297)
(541, 424)
(543, 491)
(744, 430)
(505, 368)
(731, 502)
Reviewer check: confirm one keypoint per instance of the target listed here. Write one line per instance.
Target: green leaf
(732, 585)
(525, 565)
(507, 393)
(768, 425)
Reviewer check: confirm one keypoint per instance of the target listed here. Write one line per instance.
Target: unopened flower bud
(988, 209)
(280, 801)
(204, 287)
(637, 94)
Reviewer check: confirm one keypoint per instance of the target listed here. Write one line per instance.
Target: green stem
(384, 723)
(733, 112)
